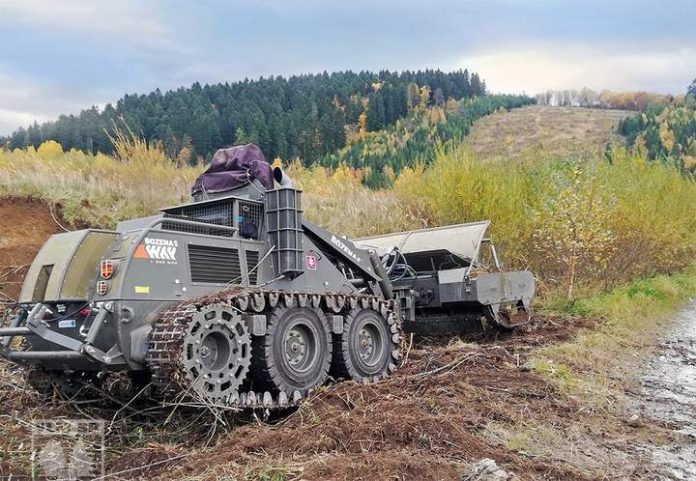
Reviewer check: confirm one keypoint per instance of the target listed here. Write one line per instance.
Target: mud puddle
(669, 397)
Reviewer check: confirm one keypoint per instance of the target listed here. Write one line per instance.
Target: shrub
(600, 221)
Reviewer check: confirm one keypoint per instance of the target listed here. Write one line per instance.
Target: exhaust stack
(283, 180)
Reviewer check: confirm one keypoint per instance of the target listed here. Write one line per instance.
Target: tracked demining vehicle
(234, 299)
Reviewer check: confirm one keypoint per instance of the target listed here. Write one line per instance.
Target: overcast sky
(61, 56)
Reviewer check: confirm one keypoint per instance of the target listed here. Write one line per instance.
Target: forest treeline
(305, 116)
(607, 99)
(412, 140)
(665, 132)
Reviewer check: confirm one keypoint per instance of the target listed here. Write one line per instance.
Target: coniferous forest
(305, 116)
(665, 132)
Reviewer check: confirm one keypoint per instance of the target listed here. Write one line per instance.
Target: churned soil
(428, 421)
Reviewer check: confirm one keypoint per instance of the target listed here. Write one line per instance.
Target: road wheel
(295, 353)
(368, 348)
(216, 353)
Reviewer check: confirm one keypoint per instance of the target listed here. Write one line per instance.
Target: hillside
(667, 134)
(555, 130)
(304, 116)
(414, 140)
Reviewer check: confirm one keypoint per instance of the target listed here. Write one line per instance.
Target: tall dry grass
(98, 190)
(339, 202)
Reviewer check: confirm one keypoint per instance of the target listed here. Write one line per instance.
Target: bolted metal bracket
(336, 324)
(256, 323)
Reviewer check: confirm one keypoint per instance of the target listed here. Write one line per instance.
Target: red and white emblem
(311, 262)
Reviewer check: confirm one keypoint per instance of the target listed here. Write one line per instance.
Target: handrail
(194, 223)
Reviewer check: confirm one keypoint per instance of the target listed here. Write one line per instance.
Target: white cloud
(543, 66)
(23, 101)
(10, 119)
(123, 17)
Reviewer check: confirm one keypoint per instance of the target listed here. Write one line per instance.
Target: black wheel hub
(370, 345)
(298, 350)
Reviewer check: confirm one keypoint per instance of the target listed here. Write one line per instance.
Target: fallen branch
(450, 366)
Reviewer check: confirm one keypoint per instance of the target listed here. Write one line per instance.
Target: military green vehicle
(234, 299)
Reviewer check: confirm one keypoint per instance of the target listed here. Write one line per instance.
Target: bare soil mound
(25, 224)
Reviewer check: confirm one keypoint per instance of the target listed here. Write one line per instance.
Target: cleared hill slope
(557, 130)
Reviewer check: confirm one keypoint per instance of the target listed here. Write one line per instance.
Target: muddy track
(668, 396)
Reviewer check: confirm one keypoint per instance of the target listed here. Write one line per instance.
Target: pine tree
(240, 137)
(691, 89)
(311, 112)
(375, 112)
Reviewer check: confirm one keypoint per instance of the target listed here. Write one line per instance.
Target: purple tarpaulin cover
(228, 170)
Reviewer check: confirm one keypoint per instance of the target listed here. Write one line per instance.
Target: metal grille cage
(244, 215)
(249, 219)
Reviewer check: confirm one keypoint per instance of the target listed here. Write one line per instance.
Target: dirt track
(668, 396)
(439, 414)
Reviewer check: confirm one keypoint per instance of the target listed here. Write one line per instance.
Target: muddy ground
(444, 410)
(668, 397)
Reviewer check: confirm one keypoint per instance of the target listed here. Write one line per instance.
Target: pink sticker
(311, 262)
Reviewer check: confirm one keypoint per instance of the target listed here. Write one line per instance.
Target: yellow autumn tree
(424, 97)
(362, 124)
(49, 148)
(666, 136)
(573, 226)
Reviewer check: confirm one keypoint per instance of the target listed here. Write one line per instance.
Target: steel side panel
(461, 239)
(57, 251)
(346, 249)
(83, 268)
(326, 277)
(453, 289)
(491, 288)
(163, 280)
(496, 288)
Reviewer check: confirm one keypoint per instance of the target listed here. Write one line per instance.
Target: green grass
(595, 371)
(269, 473)
(632, 318)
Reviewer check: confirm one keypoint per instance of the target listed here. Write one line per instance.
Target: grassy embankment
(96, 190)
(634, 315)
